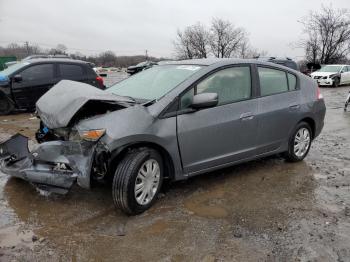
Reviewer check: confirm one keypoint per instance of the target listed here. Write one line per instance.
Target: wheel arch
(118, 154)
(312, 123)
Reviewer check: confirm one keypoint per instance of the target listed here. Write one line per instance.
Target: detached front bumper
(56, 164)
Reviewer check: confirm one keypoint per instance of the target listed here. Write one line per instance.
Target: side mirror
(17, 78)
(204, 100)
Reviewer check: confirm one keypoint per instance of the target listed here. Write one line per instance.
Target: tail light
(318, 94)
(100, 81)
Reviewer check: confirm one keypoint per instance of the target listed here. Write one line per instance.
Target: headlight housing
(92, 135)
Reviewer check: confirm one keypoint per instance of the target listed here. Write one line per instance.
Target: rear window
(272, 81)
(289, 64)
(68, 70)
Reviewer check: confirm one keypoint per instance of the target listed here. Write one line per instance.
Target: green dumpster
(5, 59)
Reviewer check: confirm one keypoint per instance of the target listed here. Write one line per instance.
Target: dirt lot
(266, 210)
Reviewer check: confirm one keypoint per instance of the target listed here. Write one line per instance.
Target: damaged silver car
(172, 121)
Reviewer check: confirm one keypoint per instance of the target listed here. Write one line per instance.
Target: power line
(140, 51)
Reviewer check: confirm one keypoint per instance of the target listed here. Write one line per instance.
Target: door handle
(294, 107)
(246, 116)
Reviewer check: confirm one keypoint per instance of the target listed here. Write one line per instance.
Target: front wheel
(299, 143)
(137, 181)
(336, 82)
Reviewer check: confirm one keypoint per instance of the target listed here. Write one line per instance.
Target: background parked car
(139, 67)
(22, 84)
(332, 75)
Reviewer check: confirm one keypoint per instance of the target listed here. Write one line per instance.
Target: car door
(222, 134)
(37, 79)
(278, 108)
(73, 72)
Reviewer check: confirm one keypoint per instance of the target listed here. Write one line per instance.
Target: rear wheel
(137, 181)
(299, 143)
(5, 106)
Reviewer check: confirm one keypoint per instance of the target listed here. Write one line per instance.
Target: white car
(332, 75)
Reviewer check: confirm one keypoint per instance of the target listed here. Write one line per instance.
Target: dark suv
(22, 84)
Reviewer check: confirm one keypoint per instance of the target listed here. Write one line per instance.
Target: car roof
(55, 60)
(224, 61)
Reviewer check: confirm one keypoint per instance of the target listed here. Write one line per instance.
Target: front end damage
(54, 166)
(65, 155)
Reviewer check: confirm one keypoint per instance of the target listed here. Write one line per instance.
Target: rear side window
(37, 72)
(272, 81)
(292, 81)
(68, 71)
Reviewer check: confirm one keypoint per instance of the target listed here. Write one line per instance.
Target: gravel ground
(265, 210)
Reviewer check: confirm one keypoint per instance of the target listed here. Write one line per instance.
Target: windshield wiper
(150, 102)
(131, 98)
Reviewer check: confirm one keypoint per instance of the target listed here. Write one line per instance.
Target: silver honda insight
(171, 121)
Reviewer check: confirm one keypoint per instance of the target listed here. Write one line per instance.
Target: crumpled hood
(59, 105)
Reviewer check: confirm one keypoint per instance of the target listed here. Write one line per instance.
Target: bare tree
(328, 35)
(107, 58)
(20, 51)
(225, 39)
(193, 42)
(60, 49)
(183, 47)
(247, 51)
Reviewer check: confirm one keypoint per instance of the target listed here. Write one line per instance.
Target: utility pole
(146, 55)
(27, 47)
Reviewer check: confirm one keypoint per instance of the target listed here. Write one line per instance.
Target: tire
(336, 82)
(303, 131)
(6, 106)
(347, 103)
(128, 174)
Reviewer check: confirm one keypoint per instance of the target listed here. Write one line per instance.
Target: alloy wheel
(302, 142)
(147, 182)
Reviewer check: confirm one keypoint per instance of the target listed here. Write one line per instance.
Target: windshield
(331, 69)
(155, 82)
(13, 68)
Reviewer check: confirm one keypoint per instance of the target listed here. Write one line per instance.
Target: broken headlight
(92, 135)
(74, 136)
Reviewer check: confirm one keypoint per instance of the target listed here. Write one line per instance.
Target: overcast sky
(132, 26)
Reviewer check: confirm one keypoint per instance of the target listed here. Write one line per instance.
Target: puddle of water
(254, 197)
